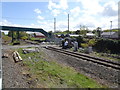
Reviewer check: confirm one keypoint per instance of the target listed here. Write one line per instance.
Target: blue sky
(91, 13)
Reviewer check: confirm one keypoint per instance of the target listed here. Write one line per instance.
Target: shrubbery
(107, 46)
(79, 40)
(88, 43)
(24, 37)
(6, 38)
(16, 42)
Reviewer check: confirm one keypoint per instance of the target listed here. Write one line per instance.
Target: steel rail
(87, 58)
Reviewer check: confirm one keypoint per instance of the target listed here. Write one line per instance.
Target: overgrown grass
(33, 39)
(50, 74)
(101, 55)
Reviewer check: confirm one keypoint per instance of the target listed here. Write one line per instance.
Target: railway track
(81, 56)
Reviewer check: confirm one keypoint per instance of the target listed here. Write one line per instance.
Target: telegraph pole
(110, 28)
(68, 22)
(54, 24)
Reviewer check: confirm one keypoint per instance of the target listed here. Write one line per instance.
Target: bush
(107, 45)
(91, 42)
(84, 45)
(79, 40)
(24, 37)
(16, 43)
(6, 38)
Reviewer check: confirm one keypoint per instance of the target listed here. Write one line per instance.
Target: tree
(98, 31)
(94, 31)
(22, 34)
(91, 42)
(3, 33)
(6, 39)
(50, 32)
(15, 34)
(77, 32)
(83, 27)
(83, 32)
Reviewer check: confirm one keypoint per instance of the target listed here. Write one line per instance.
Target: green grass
(54, 75)
(105, 57)
(42, 39)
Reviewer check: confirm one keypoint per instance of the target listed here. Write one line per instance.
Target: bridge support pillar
(12, 37)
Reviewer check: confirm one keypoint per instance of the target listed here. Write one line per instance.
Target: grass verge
(50, 74)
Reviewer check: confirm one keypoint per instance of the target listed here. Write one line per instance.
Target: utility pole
(54, 24)
(80, 27)
(68, 22)
(110, 28)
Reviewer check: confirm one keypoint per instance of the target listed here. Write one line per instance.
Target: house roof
(108, 33)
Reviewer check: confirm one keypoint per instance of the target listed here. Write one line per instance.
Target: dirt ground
(12, 73)
(15, 74)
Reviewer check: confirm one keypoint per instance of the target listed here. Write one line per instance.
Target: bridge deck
(11, 28)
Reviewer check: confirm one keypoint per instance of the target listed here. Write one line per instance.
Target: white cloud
(91, 7)
(105, 22)
(52, 5)
(57, 7)
(75, 11)
(62, 5)
(90, 14)
(119, 14)
(42, 22)
(110, 9)
(102, 22)
(65, 13)
(55, 12)
(37, 11)
(46, 25)
(61, 24)
(40, 17)
(5, 22)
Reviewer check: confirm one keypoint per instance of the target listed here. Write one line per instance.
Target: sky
(41, 14)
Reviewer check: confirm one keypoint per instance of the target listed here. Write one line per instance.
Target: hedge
(107, 46)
